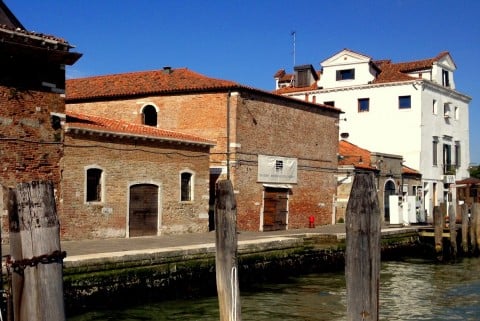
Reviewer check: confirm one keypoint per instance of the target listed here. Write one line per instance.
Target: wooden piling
(464, 209)
(37, 282)
(226, 252)
(476, 222)
(453, 230)
(473, 228)
(438, 222)
(362, 256)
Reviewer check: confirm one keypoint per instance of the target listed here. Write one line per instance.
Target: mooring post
(473, 228)
(226, 252)
(36, 257)
(362, 256)
(464, 209)
(453, 230)
(438, 222)
(476, 215)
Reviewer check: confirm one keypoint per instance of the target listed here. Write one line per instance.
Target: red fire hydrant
(311, 221)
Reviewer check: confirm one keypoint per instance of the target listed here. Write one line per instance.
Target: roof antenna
(293, 34)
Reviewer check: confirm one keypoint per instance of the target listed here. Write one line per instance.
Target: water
(410, 290)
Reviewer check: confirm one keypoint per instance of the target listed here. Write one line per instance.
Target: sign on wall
(275, 169)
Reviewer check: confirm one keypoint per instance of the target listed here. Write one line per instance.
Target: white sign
(275, 169)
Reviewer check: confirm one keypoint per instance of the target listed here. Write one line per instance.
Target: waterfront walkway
(98, 249)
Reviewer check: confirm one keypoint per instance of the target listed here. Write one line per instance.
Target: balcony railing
(449, 169)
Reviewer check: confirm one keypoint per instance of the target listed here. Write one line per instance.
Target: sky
(247, 41)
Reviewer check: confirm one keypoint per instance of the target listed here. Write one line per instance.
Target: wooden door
(275, 209)
(143, 211)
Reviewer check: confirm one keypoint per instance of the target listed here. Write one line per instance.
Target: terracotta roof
(143, 82)
(391, 72)
(410, 171)
(351, 154)
(101, 125)
(388, 71)
(469, 181)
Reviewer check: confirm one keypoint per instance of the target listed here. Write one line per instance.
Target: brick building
(122, 179)
(279, 152)
(32, 83)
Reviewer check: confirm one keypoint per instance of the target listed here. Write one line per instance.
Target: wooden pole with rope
(36, 258)
(226, 252)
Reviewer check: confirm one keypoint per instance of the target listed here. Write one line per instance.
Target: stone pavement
(86, 247)
(105, 247)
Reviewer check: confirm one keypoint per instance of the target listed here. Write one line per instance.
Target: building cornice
(417, 83)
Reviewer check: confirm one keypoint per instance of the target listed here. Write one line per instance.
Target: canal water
(413, 289)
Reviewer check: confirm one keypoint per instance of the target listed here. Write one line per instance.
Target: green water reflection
(412, 290)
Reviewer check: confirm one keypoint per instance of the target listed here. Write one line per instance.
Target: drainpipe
(228, 134)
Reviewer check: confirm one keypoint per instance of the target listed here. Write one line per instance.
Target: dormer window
(346, 74)
(445, 78)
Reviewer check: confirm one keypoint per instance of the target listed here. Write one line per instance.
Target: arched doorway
(389, 190)
(143, 210)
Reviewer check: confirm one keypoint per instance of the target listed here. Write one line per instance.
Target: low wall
(135, 276)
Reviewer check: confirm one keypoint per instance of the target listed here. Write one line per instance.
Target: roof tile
(114, 126)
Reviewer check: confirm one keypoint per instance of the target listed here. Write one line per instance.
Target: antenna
(293, 34)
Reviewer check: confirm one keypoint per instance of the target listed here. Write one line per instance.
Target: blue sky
(248, 41)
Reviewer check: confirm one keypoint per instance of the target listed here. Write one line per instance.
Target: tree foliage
(475, 171)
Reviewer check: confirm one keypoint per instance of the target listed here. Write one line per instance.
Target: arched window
(186, 187)
(149, 113)
(94, 185)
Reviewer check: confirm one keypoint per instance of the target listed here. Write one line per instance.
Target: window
(149, 115)
(363, 104)
(345, 74)
(94, 185)
(447, 159)
(435, 151)
(446, 110)
(186, 187)
(457, 113)
(445, 78)
(329, 103)
(404, 102)
(457, 154)
(435, 107)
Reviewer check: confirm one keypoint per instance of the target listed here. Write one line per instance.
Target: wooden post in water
(476, 215)
(438, 222)
(473, 228)
(453, 230)
(362, 257)
(464, 208)
(226, 254)
(37, 282)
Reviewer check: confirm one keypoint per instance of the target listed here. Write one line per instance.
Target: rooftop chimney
(167, 70)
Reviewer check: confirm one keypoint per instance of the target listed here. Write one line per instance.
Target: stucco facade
(412, 109)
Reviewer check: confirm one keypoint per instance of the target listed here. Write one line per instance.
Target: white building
(411, 109)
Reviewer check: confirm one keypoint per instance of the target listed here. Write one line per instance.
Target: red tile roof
(142, 82)
(156, 82)
(389, 72)
(410, 171)
(351, 154)
(101, 125)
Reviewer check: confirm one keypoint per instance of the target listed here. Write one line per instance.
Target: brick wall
(126, 162)
(260, 124)
(30, 148)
